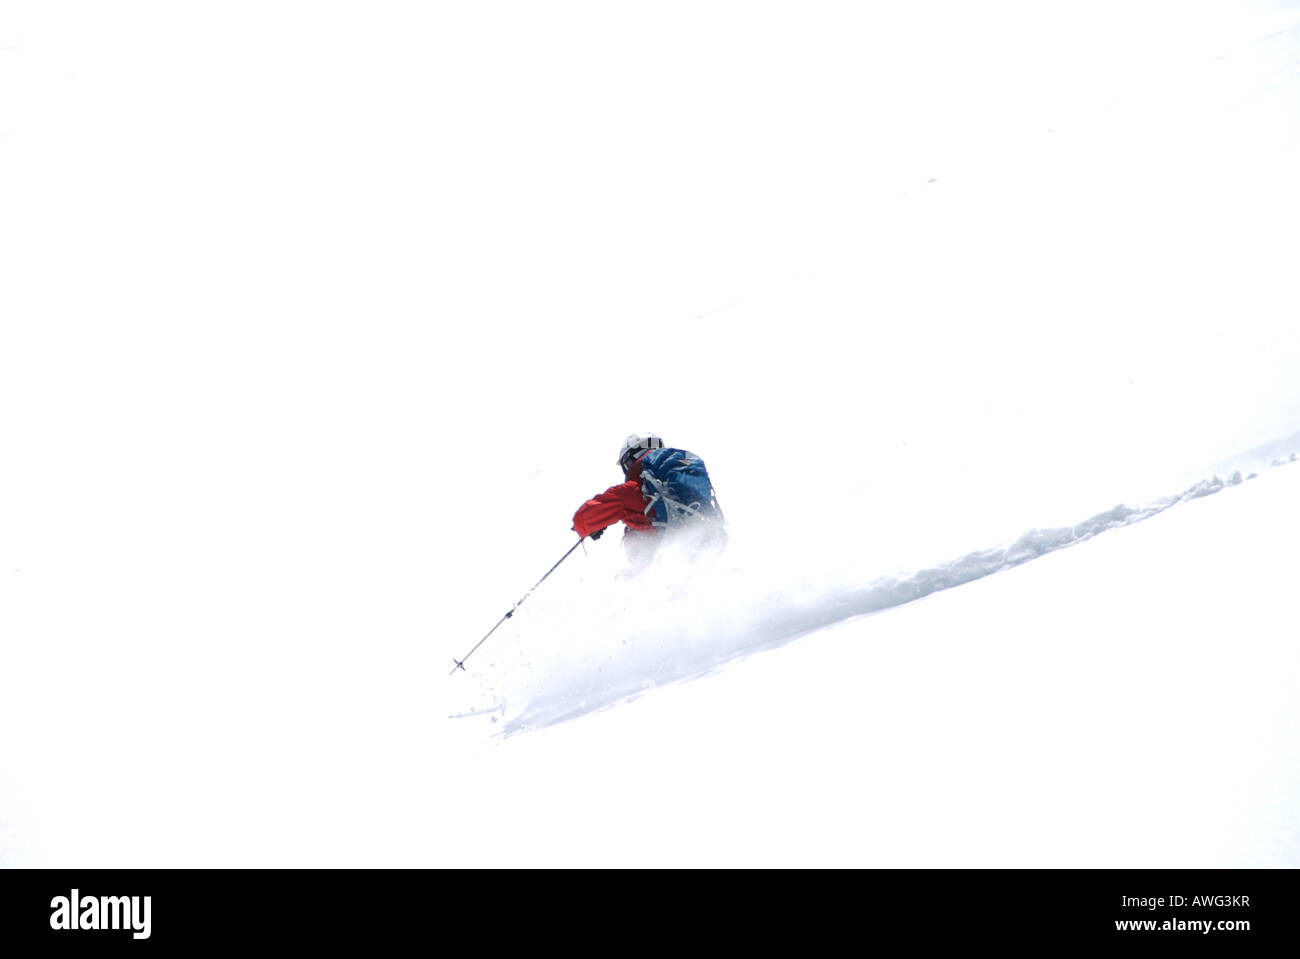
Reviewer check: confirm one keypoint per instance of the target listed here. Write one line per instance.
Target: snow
(597, 643)
(316, 326)
(1125, 703)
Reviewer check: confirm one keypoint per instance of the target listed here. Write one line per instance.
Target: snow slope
(317, 322)
(1126, 703)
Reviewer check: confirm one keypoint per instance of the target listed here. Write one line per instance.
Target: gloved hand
(597, 534)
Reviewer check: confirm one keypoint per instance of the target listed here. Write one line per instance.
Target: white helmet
(634, 444)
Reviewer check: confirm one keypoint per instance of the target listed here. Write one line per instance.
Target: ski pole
(460, 663)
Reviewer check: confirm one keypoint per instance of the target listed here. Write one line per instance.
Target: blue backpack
(678, 488)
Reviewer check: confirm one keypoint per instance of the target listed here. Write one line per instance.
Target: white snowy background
(318, 321)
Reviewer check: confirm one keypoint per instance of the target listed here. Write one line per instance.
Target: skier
(664, 489)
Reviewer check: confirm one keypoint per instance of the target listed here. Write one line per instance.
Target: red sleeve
(622, 502)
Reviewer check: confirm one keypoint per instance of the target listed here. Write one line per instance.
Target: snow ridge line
(1039, 542)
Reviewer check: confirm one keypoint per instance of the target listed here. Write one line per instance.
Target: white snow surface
(318, 322)
(1126, 703)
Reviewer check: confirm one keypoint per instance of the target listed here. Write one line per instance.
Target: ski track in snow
(682, 620)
